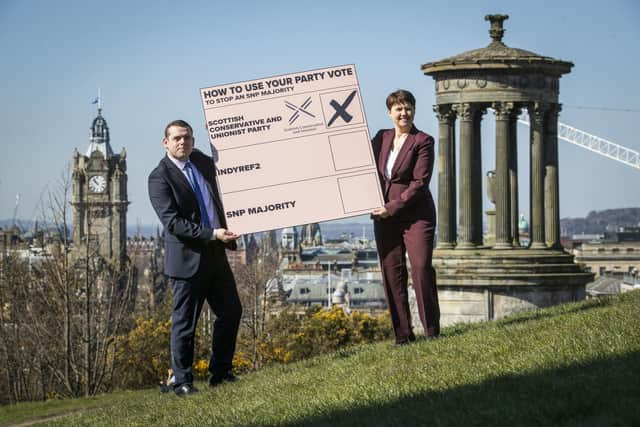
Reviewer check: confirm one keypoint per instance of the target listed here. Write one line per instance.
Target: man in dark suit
(184, 194)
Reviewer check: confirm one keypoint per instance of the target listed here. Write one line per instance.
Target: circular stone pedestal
(486, 284)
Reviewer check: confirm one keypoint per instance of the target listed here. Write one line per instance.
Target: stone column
(453, 212)
(446, 177)
(477, 178)
(513, 175)
(537, 112)
(466, 224)
(552, 193)
(503, 112)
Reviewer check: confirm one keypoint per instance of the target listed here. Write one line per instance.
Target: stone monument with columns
(477, 279)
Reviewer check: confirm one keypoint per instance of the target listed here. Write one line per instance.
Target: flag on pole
(98, 100)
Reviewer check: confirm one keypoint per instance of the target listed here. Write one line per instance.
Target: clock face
(97, 183)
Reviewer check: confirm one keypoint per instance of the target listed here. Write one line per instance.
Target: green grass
(574, 365)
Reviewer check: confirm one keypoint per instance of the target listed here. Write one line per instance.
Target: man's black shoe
(217, 379)
(185, 389)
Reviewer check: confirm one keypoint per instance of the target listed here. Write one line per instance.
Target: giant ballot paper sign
(291, 149)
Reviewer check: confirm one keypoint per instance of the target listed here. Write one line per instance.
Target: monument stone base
(486, 284)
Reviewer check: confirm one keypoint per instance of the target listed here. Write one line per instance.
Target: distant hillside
(330, 230)
(598, 222)
(26, 226)
(23, 224)
(334, 230)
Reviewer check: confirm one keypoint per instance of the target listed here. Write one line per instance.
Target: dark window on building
(358, 290)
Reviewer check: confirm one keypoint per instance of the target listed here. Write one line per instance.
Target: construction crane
(596, 144)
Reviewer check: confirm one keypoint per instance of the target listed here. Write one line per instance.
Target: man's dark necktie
(196, 189)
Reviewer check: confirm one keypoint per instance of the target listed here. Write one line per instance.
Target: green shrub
(290, 337)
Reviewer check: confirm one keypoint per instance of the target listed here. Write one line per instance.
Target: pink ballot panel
(291, 149)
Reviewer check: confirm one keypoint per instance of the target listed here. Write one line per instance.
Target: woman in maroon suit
(406, 222)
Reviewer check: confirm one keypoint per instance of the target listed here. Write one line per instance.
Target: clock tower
(99, 197)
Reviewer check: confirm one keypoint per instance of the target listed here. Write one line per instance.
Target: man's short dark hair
(178, 123)
(401, 97)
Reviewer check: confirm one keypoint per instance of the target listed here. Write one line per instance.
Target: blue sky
(150, 58)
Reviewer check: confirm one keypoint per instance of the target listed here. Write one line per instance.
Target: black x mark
(341, 109)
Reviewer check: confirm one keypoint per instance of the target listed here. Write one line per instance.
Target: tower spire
(99, 132)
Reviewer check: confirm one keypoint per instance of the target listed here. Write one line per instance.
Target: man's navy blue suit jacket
(177, 207)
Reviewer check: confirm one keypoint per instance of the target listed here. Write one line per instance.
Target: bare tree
(15, 363)
(253, 279)
(72, 304)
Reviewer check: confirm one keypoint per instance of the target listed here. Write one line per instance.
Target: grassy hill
(574, 365)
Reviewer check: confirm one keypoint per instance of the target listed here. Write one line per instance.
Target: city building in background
(615, 259)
